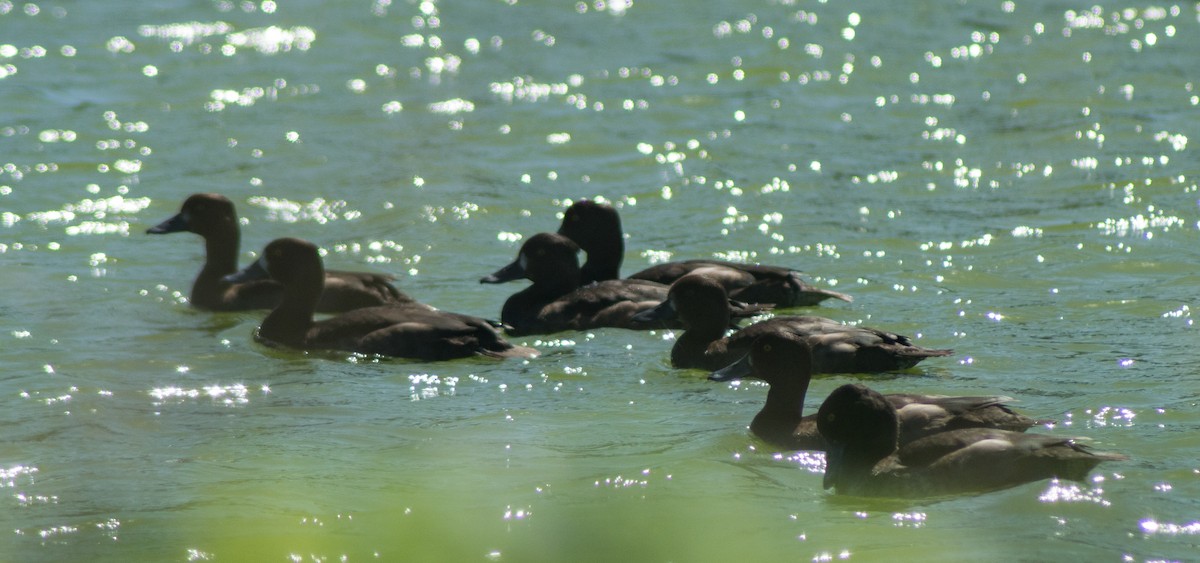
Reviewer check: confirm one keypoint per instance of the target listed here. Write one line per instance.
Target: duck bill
(175, 224)
(253, 272)
(737, 370)
(511, 272)
(834, 457)
(664, 311)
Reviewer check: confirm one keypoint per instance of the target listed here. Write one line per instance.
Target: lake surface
(1010, 179)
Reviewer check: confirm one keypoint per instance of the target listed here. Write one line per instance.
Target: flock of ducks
(879, 445)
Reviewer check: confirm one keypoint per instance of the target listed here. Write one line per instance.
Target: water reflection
(1002, 152)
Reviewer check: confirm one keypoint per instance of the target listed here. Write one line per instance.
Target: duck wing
(346, 291)
(610, 303)
(922, 415)
(866, 350)
(979, 459)
(750, 283)
(413, 331)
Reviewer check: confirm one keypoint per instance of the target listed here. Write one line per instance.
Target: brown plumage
(556, 301)
(702, 305)
(865, 458)
(213, 217)
(596, 228)
(782, 360)
(399, 330)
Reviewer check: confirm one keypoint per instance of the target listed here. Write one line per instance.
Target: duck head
(545, 257)
(861, 427)
(203, 214)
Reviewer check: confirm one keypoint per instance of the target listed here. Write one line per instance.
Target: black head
(591, 225)
(861, 427)
(860, 419)
(780, 357)
(856, 414)
(292, 262)
(544, 257)
(203, 214)
(699, 301)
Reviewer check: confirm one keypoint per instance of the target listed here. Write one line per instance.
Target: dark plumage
(865, 459)
(213, 217)
(782, 359)
(400, 330)
(596, 228)
(701, 304)
(555, 301)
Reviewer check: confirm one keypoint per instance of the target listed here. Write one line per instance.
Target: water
(1011, 179)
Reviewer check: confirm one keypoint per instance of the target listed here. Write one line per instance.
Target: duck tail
(511, 352)
(815, 294)
(837, 295)
(1084, 460)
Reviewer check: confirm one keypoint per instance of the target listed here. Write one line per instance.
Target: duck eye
(541, 252)
(766, 348)
(831, 417)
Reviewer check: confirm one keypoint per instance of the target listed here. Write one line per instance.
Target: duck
(596, 228)
(557, 300)
(865, 457)
(701, 304)
(402, 330)
(213, 217)
(783, 360)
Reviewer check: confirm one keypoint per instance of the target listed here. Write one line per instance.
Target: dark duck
(213, 217)
(865, 457)
(700, 303)
(557, 300)
(596, 228)
(398, 330)
(784, 360)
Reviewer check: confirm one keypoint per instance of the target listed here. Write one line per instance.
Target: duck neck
(706, 323)
(692, 346)
(781, 414)
(522, 310)
(603, 261)
(555, 286)
(290, 322)
(221, 250)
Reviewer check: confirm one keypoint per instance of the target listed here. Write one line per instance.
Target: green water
(1010, 179)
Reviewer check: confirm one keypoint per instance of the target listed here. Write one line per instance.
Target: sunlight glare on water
(1011, 179)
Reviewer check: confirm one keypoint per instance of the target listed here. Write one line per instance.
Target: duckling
(556, 301)
(865, 457)
(702, 305)
(784, 361)
(213, 217)
(398, 330)
(596, 228)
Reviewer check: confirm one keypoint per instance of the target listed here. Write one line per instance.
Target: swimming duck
(783, 360)
(557, 302)
(864, 457)
(399, 330)
(596, 228)
(702, 305)
(213, 217)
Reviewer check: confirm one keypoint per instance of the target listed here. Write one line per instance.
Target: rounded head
(699, 300)
(548, 255)
(589, 223)
(202, 214)
(545, 256)
(778, 356)
(856, 414)
(293, 262)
